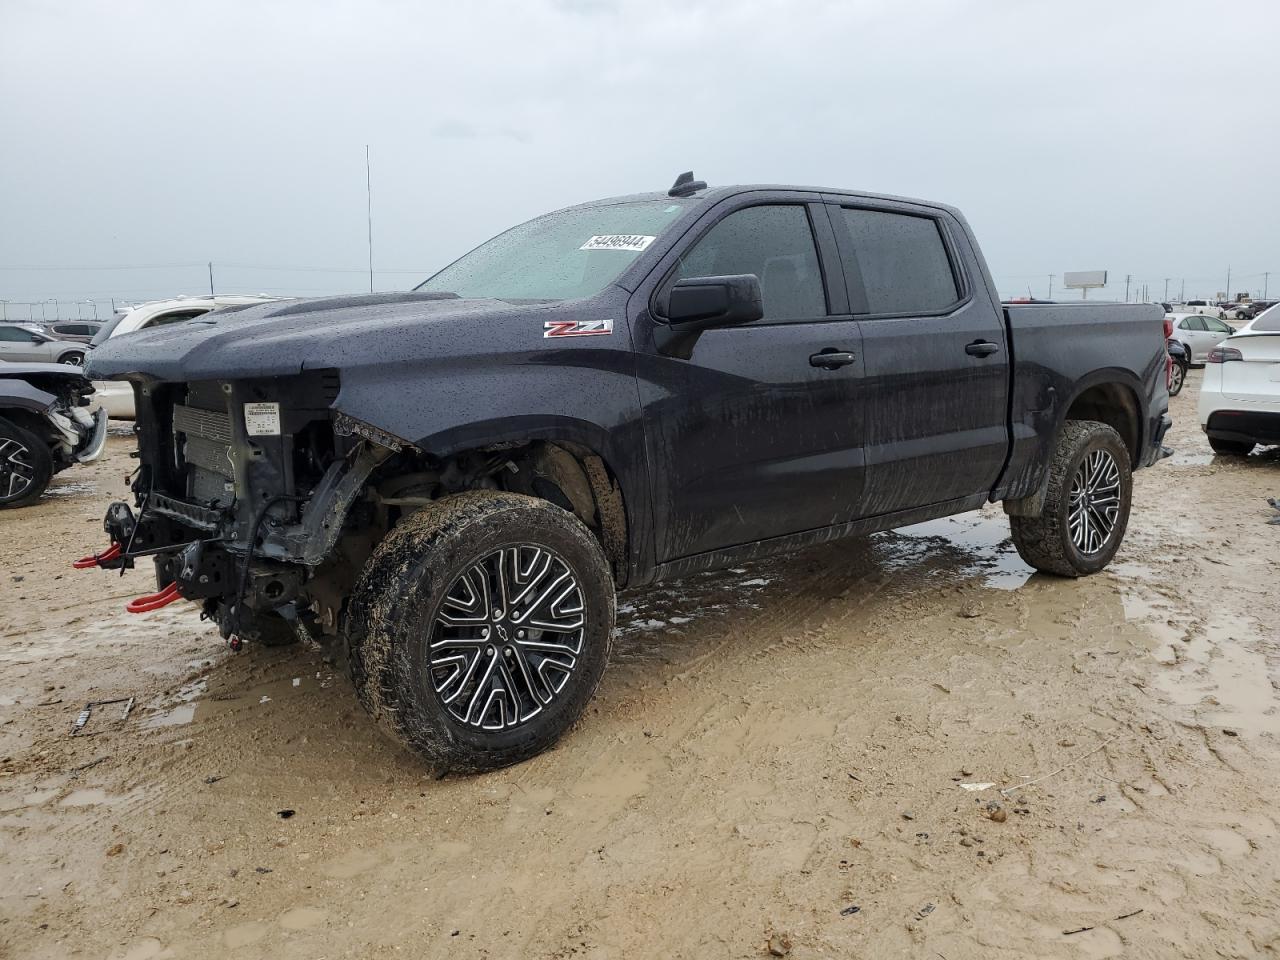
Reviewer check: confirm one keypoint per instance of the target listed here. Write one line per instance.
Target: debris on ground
(92, 705)
(779, 945)
(849, 911)
(996, 812)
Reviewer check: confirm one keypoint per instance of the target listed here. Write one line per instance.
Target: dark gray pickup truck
(454, 481)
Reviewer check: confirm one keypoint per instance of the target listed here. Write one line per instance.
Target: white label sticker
(262, 419)
(619, 241)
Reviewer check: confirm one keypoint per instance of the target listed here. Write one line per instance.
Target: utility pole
(1166, 288)
(211, 293)
(1127, 278)
(368, 209)
(1228, 288)
(1182, 297)
(5, 305)
(1051, 276)
(1266, 278)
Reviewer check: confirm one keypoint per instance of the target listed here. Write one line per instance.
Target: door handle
(831, 359)
(981, 348)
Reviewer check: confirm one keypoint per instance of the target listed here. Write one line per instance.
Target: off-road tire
(36, 456)
(1045, 541)
(1231, 448)
(400, 592)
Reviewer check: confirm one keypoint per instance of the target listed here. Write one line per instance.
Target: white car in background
(117, 395)
(1199, 333)
(1240, 395)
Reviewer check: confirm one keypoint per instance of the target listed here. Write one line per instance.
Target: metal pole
(211, 293)
(1182, 297)
(1227, 292)
(368, 202)
(1127, 278)
(95, 308)
(1166, 289)
(1266, 278)
(1051, 276)
(5, 305)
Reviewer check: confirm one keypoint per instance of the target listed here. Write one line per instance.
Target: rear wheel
(1177, 376)
(1231, 448)
(480, 628)
(26, 466)
(1086, 509)
(73, 357)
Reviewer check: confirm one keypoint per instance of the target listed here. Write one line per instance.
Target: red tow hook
(97, 559)
(154, 601)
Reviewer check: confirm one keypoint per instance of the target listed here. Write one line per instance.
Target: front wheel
(1086, 507)
(480, 628)
(1177, 376)
(26, 466)
(73, 357)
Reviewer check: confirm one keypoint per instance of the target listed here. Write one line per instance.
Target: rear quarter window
(1268, 321)
(903, 261)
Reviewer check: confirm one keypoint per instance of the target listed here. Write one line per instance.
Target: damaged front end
(243, 491)
(51, 403)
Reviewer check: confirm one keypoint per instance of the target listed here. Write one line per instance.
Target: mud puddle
(982, 538)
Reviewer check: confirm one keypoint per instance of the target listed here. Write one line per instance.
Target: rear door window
(774, 242)
(903, 262)
(1193, 323)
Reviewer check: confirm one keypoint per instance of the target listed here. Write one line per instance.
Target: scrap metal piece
(89, 707)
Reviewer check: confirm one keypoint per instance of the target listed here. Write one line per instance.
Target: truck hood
(285, 337)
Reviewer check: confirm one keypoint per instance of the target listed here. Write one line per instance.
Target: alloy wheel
(1176, 376)
(17, 472)
(507, 637)
(1094, 503)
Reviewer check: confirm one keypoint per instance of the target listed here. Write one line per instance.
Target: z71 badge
(576, 328)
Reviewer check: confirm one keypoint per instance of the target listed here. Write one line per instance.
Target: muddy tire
(26, 466)
(1231, 448)
(480, 628)
(1086, 509)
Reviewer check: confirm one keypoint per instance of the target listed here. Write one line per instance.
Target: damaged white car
(47, 424)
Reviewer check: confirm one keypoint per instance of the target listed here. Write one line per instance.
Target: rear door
(935, 389)
(756, 435)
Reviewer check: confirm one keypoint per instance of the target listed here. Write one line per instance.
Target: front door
(935, 384)
(18, 345)
(757, 435)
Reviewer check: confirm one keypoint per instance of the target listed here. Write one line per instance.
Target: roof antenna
(686, 186)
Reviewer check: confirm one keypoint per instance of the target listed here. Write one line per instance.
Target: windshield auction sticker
(619, 241)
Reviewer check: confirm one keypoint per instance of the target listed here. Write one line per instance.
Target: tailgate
(1256, 378)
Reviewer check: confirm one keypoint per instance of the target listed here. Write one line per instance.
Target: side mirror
(36, 338)
(696, 304)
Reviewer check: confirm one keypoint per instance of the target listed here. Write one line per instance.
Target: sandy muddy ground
(777, 751)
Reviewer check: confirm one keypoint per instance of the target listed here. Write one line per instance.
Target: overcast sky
(1137, 137)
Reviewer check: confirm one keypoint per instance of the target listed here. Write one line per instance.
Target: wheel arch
(1109, 397)
(572, 463)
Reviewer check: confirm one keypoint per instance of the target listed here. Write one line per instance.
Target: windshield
(104, 331)
(561, 256)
